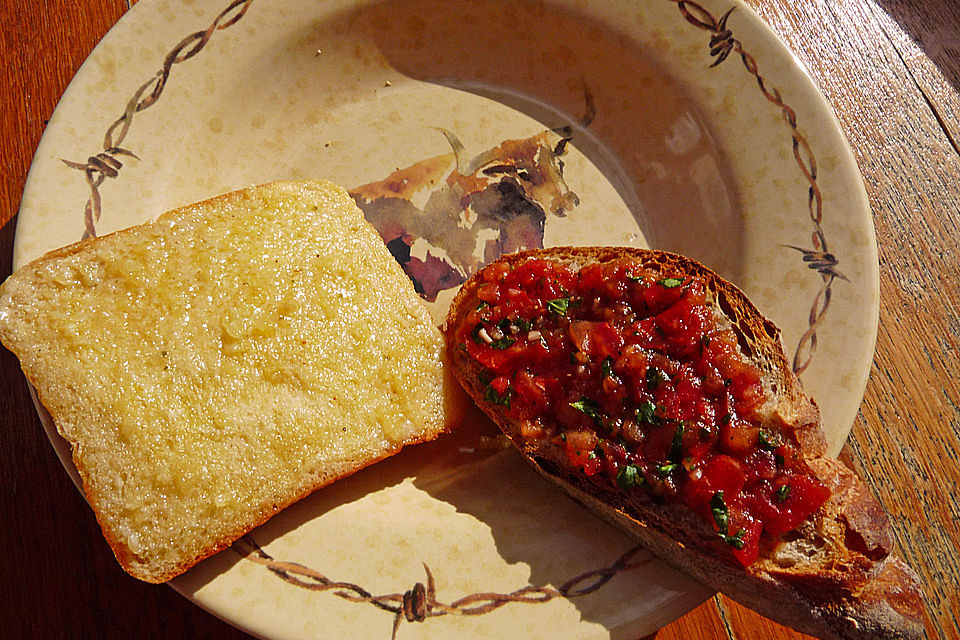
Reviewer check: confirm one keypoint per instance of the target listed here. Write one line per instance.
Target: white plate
(677, 126)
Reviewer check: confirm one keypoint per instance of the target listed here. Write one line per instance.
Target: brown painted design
(473, 210)
(106, 164)
(420, 602)
(722, 43)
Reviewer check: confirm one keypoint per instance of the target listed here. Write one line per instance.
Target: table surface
(891, 71)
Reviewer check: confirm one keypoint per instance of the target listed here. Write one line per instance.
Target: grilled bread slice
(831, 575)
(214, 366)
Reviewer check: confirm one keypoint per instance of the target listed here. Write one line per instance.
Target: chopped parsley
(491, 396)
(736, 540)
(768, 441)
(665, 469)
(670, 283)
(475, 334)
(719, 509)
(590, 408)
(676, 447)
(559, 306)
(783, 492)
(606, 367)
(654, 377)
(722, 517)
(629, 477)
(502, 343)
(647, 412)
(507, 324)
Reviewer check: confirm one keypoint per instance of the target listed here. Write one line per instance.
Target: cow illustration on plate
(445, 217)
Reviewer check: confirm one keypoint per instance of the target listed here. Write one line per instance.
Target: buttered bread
(213, 366)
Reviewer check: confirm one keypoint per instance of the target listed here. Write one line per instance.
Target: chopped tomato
(629, 371)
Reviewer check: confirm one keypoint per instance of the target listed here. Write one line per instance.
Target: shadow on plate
(531, 523)
(642, 129)
(648, 136)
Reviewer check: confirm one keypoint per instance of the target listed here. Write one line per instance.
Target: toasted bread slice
(214, 366)
(833, 575)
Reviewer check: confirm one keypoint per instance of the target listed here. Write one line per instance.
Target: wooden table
(891, 71)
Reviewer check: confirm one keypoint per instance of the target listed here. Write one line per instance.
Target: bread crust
(848, 586)
(53, 396)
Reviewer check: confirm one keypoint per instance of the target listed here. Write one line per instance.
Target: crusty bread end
(835, 577)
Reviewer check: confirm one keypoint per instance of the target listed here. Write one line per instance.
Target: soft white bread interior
(213, 366)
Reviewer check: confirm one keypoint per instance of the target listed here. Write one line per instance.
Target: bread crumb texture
(224, 360)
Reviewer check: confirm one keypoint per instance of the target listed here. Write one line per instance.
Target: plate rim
(772, 40)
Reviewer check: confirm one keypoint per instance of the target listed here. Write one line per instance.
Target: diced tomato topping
(631, 373)
(751, 527)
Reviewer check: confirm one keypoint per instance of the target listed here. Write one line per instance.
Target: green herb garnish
(665, 469)
(735, 541)
(491, 396)
(719, 509)
(559, 306)
(654, 377)
(475, 334)
(783, 492)
(628, 477)
(768, 441)
(502, 343)
(722, 517)
(590, 408)
(647, 412)
(670, 283)
(507, 324)
(676, 447)
(482, 305)
(606, 367)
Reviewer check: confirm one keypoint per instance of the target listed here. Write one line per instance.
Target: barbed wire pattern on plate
(722, 43)
(420, 602)
(106, 163)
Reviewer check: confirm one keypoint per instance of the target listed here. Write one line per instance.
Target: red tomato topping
(642, 384)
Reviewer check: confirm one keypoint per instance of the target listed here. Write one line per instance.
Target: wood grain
(891, 71)
(906, 440)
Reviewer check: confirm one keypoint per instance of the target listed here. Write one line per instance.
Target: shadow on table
(935, 26)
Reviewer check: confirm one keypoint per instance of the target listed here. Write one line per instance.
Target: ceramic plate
(465, 130)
